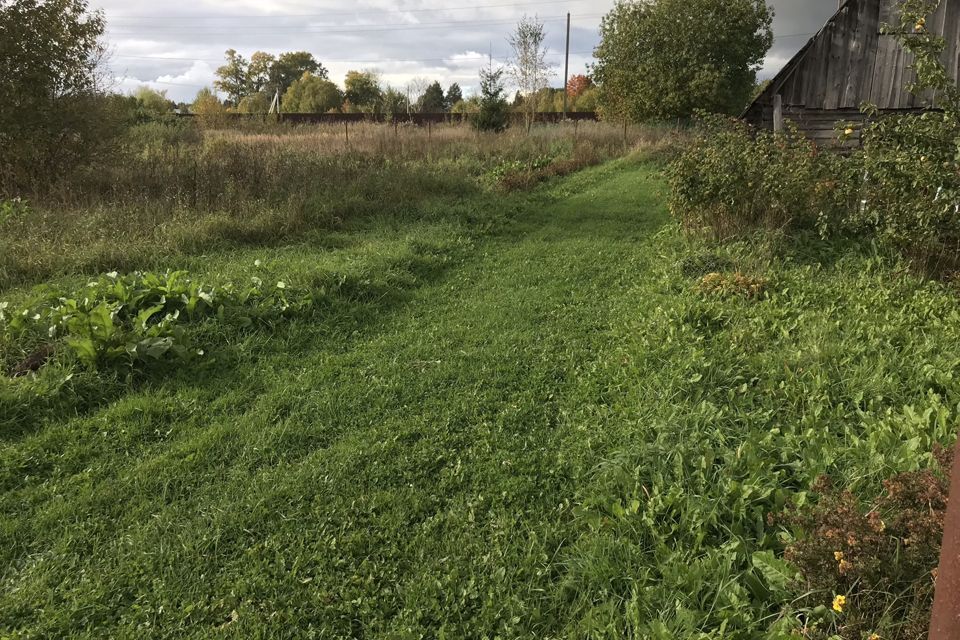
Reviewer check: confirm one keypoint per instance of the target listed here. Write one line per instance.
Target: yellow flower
(838, 603)
(848, 131)
(874, 636)
(838, 555)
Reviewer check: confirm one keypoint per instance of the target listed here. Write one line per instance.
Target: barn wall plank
(850, 63)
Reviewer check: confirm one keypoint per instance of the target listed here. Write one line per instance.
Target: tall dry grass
(173, 189)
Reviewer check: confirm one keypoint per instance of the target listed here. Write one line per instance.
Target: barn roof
(849, 62)
(788, 69)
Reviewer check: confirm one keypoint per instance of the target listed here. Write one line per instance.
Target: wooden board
(849, 63)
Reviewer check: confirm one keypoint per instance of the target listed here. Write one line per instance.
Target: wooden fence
(419, 119)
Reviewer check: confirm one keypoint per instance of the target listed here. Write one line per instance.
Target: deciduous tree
(468, 106)
(255, 103)
(528, 65)
(363, 90)
(414, 88)
(668, 58)
(588, 101)
(259, 72)
(394, 102)
(233, 77)
(50, 106)
(577, 85)
(290, 67)
(208, 108)
(312, 94)
(152, 104)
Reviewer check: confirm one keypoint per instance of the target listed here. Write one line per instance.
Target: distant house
(850, 63)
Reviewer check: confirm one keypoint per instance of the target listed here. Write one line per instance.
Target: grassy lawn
(540, 431)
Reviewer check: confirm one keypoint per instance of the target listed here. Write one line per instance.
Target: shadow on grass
(350, 308)
(576, 207)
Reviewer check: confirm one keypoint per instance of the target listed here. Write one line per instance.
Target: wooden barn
(850, 63)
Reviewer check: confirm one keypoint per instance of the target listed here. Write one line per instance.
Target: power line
(347, 12)
(353, 29)
(367, 60)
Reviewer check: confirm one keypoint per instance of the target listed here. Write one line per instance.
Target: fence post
(945, 622)
(346, 128)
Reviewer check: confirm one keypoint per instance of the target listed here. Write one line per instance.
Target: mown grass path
(551, 435)
(412, 477)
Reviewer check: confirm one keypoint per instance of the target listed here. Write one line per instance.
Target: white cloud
(177, 45)
(200, 74)
(182, 86)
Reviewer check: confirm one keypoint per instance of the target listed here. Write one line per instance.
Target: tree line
(657, 59)
(301, 84)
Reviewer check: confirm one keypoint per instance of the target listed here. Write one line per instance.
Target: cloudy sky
(176, 45)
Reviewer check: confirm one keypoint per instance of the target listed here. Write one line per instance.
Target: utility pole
(566, 69)
(275, 104)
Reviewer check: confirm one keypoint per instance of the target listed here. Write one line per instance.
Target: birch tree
(528, 66)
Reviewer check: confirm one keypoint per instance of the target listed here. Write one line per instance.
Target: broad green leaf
(777, 573)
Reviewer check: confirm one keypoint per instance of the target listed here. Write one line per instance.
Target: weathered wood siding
(850, 63)
(820, 125)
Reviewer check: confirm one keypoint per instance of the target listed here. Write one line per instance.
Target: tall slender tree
(454, 95)
(493, 110)
(528, 65)
(258, 73)
(233, 77)
(432, 100)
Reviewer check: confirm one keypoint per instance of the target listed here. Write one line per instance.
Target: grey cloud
(349, 36)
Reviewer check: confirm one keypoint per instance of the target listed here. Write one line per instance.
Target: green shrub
(866, 568)
(902, 185)
(731, 180)
(911, 186)
(15, 209)
(162, 133)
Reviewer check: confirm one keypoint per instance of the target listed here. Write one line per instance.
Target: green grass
(543, 431)
(175, 190)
